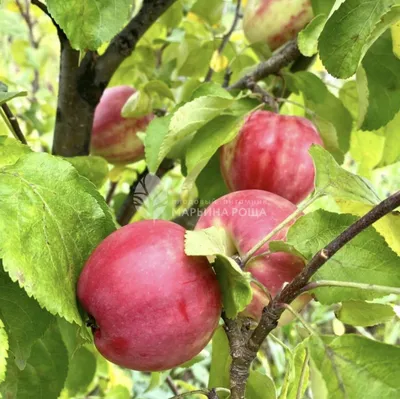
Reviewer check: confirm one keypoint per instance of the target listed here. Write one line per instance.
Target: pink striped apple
(275, 21)
(113, 136)
(248, 216)
(153, 306)
(271, 153)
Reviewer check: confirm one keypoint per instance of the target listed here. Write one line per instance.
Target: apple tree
(200, 199)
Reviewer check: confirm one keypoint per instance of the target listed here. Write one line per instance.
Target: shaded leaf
(364, 314)
(350, 363)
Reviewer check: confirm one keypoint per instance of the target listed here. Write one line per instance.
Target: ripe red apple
(271, 153)
(154, 307)
(275, 21)
(113, 136)
(248, 216)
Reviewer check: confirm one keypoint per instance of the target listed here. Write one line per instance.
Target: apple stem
(344, 284)
(249, 255)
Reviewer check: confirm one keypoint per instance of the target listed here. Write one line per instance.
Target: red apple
(114, 137)
(275, 21)
(248, 216)
(154, 307)
(271, 153)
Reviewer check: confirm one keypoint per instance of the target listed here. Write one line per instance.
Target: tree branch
(226, 38)
(172, 386)
(81, 86)
(273, 65)
(14, 123)
(95, 72)
(129, 207)
(272, 312)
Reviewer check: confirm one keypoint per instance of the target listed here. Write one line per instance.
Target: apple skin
(271, 153)
(114, 137)
(275, 22)
(248, 216)
(154, 307)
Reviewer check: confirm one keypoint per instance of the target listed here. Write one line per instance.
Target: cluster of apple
(152, 306)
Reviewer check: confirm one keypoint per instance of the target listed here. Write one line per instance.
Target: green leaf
(9, 95)
(209, 11)
(301, 371)
(220, 362)
(191, 117)
(159, 87)
(207, 242)
(351, 30)
(388, 226)
(308, 37)
(319, 99)
(11, 150)
(52, 217)
(322, 6)
(89, 23)
(210, 183)
(3, 351)
(233, 281)
(366, 258)
(92, 167)
(81, 371)
(282, 246)
(382, 69)
(138, 104)
(206, 142)
(173, 16)
(45, 373)
(118, 392)
(391, 150)
(25, 321)
(356, 367)
(331, 179)
(234, 284)
(348, 94)
(366, 149)
(260, 386)
(155, 134)
(156, 380)
(210, 89)
(364, 314)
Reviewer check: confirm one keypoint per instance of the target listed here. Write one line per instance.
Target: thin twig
(111, 191)
(273, 65)
(172, 386)
(272, 312)
(14, 123)
(226, 38)
(265, 96)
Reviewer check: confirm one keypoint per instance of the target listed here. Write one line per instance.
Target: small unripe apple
(113, 136)
(275, 21)
(271, 153)
(248, 216)
(153, 306)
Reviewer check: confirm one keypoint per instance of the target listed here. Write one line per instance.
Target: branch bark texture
(81, 86)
